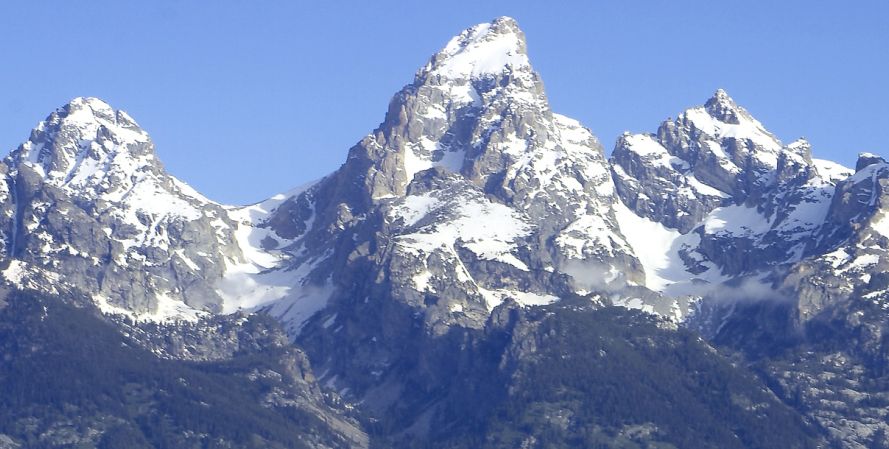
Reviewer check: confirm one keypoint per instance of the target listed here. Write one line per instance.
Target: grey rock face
(798, 247)
(745, 204)
(89, 207)
(471, 191)
(830, 361)
(6, 442)
(867, 159)
(850, 253)
(642, 179)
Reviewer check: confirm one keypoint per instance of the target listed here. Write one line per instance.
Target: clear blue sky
(245, 99)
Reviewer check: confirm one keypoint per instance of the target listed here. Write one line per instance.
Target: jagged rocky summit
(472, 196)
(471, 191)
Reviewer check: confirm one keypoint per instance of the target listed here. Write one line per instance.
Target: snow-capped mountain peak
(721, 118)
(90, 150)
(82, 140)
(487, 49)
(743, 204)
(88, 202)
(469, 175)
(723, 108)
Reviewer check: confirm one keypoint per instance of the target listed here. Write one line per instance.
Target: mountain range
(477, 273)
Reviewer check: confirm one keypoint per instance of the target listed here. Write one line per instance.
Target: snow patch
(737, 220)
(831, 171)
(652, 243)
(479, 52)
(748, 128)
(168, 310)
(414, 163)
(487, 229)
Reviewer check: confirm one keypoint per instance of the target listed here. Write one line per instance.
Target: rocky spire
(86, 145)
(867, 159)
(470, 160)
(485, 50)
(481, 77)
(721, 106)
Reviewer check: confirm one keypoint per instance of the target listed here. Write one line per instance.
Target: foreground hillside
(566, 375)
(70, 379)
